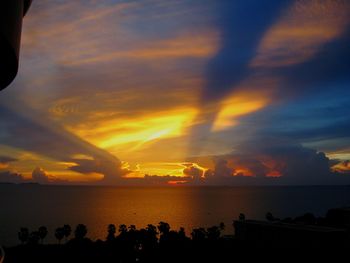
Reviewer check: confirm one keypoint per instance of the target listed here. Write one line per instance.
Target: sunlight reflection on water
(96, 207)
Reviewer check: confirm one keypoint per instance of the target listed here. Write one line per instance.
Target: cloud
(225, 72)
(280, 162)
(342, 167)
(11, 177)
(301, 46)
(5, 160)
(242, 24)
(221, 169)
(180, 47)
(301, 32)
(135, 131)
(110, 169)
(48, 139)
(39, 175)
(193, 171)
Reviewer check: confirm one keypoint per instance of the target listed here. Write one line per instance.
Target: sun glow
(342, 167)
(112, 133)
(235, 107)
(176, 169)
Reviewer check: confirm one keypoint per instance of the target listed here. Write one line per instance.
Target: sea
(33, 206)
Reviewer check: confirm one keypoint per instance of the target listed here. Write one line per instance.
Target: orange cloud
(252, 95)
(138, 130)
(343, 154)
(342, 167)
(165, 169)
(90, 36)
(299, 34)
(190, 46)
(3, 165)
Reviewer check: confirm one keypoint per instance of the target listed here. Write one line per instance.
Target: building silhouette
(276, 234)
(11, 15)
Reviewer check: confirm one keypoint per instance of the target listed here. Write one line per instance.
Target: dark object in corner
(11, 14)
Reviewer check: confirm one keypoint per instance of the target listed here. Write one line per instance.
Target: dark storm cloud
(330, 65)
(111, 169)
(280, 162)
(11, 177)
(5, 160)
(39, 175)
(242, 25)
(50, 140)
(336, 130)
(317, 117)
(192, 171)
(296, 163)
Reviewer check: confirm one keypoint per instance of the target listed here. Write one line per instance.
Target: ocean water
(52, 206)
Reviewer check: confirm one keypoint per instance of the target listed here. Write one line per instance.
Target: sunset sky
(180, 92)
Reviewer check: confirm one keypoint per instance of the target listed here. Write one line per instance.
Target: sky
(184, 92)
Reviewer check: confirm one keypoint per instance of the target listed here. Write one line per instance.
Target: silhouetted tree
(34, 238)
(132, 228)
(67, 231)
(152, 231)
(23, 235)
(198, 234)
(213, 233)
(123, 229)
(80, 231)
(222, 226)
(269, 217)
(150, 235)
(163, 228)
(307, 219)
(288, 220)
(42, 233)
(111, 232)
(182, 232)
(59, 234)
(241, 217)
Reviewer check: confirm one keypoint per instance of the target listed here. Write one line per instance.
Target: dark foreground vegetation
(307, 233)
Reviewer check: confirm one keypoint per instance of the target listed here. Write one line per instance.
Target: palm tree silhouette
(80, 231)
(222, 226)
(67, 231)
(199, 234)
(132, 228)
(111, 232)
(213, 233)
(34, 238)
(182, 232)
(59, 234)
(123, 229)
(269, 217)
(42, 233)
(163, 228)
(23, 235)
(241, 217)
(151, 229)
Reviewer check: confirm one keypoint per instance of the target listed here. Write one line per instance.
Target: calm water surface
(33, 205)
